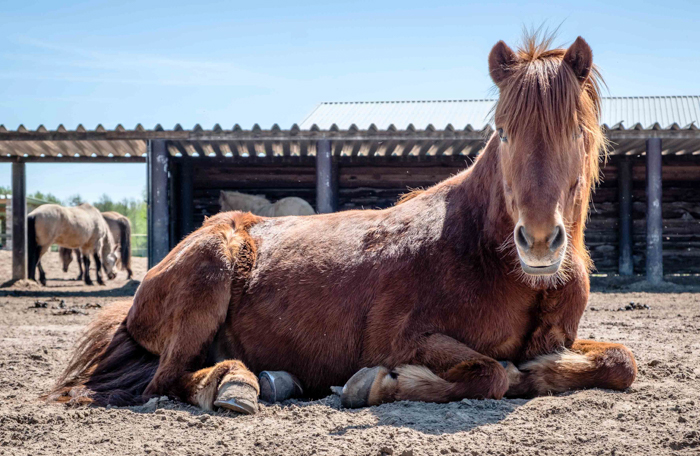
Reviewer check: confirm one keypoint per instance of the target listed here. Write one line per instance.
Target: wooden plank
(19, 221)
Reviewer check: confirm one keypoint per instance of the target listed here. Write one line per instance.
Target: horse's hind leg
(42, 275)
(588, 364)
(86, 276)
(78, 256)
(98, 267)
(228, 384)
(180, 307)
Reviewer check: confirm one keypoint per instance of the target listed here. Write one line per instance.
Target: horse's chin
(541, 270)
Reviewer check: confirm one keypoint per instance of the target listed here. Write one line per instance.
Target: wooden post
(186, 197)
(654, 266)
(158, 213)
(624, 183)
(326, 178)
(19, 221)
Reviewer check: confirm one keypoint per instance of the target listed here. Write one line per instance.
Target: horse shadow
(125, 290)
(424, 417)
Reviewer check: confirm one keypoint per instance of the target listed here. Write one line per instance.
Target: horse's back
(290, 206)
(72, 227)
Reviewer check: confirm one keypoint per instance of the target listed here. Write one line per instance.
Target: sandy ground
(659, 414)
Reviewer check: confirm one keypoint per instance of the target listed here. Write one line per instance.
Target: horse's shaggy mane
(543, 93)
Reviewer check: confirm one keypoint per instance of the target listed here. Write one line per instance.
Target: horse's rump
(120, 226)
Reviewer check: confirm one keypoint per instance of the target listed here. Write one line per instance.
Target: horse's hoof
(278, 386)
(237, 396)
(43, 281)
(356, 391)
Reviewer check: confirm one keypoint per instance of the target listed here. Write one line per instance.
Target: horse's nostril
(522, 239)
(557, 238)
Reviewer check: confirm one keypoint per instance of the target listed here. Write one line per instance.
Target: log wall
(368, 184)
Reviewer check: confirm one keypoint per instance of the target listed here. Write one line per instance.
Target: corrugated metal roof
(420, 128)
(618, 113)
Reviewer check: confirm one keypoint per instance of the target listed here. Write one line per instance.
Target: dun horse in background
(473, 288)
(259, 205)
(120, 227)
(81, 227)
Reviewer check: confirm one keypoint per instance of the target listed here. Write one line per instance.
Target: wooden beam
(19, 221)
(326, 178)
(88, 159)
(624, 183)
(158, 213)
(654, 266)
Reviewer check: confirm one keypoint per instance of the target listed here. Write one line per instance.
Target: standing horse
(259, 205)
(473, 288)
(120, 227)
(80, 227)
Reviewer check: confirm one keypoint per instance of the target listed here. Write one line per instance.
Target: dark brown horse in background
(473, 288)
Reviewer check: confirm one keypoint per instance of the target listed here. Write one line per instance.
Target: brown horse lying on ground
(471, 289)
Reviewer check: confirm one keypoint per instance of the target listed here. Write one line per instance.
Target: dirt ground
(659, 414)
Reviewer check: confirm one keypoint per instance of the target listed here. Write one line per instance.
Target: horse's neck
(480, 201)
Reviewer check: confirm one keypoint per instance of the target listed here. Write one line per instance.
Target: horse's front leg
(444, 370)
(98, 268)
(588, 364)
(86, 266)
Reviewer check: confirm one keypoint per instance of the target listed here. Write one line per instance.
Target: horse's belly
(317, 345)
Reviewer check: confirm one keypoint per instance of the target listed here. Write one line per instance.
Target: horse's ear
(501, 62)
(580, 58)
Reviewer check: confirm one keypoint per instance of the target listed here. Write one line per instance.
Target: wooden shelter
(634, 226)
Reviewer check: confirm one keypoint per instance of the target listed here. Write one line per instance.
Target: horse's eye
(502, 135)
(576, 184)
(579, 133)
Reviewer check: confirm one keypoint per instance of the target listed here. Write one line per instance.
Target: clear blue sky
(271, 62)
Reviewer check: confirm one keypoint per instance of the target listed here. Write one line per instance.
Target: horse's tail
(108, 367)
(125, 244)
(33, 247)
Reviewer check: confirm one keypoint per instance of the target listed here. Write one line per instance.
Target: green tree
(75, 200)
(45, 197)
(105, 204)
(5, 190)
